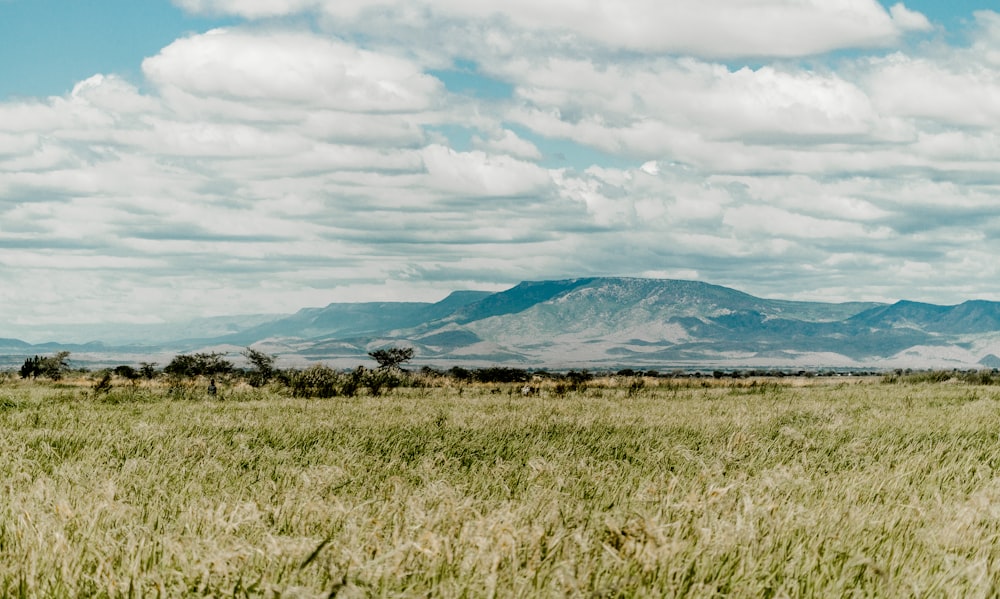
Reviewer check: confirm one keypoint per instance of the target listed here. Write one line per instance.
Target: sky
(161, 161)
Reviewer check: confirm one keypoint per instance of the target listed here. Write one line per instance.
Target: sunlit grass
(676, 489)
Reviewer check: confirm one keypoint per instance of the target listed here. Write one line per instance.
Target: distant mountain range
(584, 323)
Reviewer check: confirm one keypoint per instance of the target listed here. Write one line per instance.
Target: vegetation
(391, 357)
(127, 372)
(262, 367)
(437, 487)
(322, 381)
(199, 364)
(52, 367)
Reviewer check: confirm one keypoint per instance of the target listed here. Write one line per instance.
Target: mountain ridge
(618, 321)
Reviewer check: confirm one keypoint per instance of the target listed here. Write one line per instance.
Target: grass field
(771, 489)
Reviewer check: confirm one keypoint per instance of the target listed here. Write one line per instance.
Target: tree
(148, 370)
(126, 372)
(392, 357)
(31, 368)
(53, 367)
(263, 367)
(201, 364)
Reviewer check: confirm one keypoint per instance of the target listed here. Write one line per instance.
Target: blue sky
(50, 45)
(162, 160)
(951, 14)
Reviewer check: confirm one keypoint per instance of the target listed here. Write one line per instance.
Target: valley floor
(696, 488)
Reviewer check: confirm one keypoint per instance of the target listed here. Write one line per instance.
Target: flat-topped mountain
(610, 322)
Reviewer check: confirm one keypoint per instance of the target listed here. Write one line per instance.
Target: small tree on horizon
(391, 358)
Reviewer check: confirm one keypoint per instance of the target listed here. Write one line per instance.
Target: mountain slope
(646, 310)
(516, 299)
(609, 322)
(344, 320)
(616, 320)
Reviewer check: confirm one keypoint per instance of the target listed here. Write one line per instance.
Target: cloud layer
(709, 28)
(323, 152)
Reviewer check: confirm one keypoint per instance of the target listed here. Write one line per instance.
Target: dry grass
(764, 489)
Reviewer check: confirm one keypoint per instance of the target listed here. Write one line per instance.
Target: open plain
(664, 487)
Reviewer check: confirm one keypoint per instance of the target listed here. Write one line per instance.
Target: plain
(695, 488)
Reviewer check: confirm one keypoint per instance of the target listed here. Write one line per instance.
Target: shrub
(127, 372)
(352, 382)
(103, 385)
(148, 370)
(262, 367)
(380, 379)
(635, 386)
(578, 380)
(200, 364)
(319, 380)
(981, 377)
(501, 374)
(460, 374)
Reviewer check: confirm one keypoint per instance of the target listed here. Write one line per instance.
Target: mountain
(619, 320)
(606, 323)
(902, 314)
(342, 320)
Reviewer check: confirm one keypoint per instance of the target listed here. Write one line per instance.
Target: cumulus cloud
(277, 68)
(908, 20)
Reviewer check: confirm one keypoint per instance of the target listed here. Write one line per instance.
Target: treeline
(184, 372)
(317, 380)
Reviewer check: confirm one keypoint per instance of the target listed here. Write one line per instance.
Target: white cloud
(658, 106)
(285, 67)
(16, 144)
(776, 223)
(986, 46)
(959, 94)
(845, 199)
(908, 20)
(480, 174)
(507, 142)
(113, 95)
(714, 28)
(254, 9)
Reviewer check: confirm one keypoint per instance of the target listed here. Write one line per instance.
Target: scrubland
(766, 488)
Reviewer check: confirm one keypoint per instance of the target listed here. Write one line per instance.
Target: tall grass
(754, 488)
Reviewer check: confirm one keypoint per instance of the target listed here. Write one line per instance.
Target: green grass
(770, 490)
